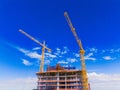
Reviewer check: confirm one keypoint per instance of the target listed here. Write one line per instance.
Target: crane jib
(32, 38)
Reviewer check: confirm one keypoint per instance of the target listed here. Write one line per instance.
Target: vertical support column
(39, 83)
(42, 58)
(65, 82)
(84, 80)
(58, 81)
(76, 80)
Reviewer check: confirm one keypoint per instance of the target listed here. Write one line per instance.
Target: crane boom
(43, 48)
(73, 30)
(77, 39)
(32, 38)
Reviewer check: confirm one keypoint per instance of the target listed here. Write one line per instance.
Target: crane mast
(84, 73)
(43, 48)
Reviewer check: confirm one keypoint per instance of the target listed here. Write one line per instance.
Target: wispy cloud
(35, 55)
(65, 54)
(93, 50)
(47, 62)
(77, 55)
(118, 50)
(26, 62)
(36, 48)
(103, 51)
(94, 54)
(63, 62)
(108, 58)
(88, 57)
(50, 55)
(98, 81)
(103, 81)
(72, 60)
(31, 54)
(113, 50)
(65, 50)
(23, 50)
(58, 51)
(19, 84)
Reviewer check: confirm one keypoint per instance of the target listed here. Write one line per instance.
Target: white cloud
(63, 62)
(107, 58)
(58, 51)
(77, 55)
(93, 50)
(30, 53)
(103, 51)
(114, 50)
(118, 50)
(111, 50)
(90, 54)
(28, 83)
(36, 48)
(33, 55)
(23, 50)
(47, 62)
(26, 62)
(71, 60)
(50, 55)
(98, 81)
(88, 57)
(104, 81)
(90, 51)
(65, 50)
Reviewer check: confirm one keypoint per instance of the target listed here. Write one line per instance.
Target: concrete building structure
(60, 79)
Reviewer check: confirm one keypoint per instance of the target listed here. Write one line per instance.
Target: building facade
(60, 80)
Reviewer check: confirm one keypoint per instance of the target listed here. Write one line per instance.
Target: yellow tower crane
(43, 48)
(82, 51)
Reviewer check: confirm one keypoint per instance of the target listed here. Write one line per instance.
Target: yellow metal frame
(84, 72)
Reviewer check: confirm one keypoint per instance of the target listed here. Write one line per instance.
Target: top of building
(58, 68)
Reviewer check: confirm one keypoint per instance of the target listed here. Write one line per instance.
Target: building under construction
(60, 78)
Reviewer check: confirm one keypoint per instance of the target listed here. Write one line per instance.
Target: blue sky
(97, 24)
